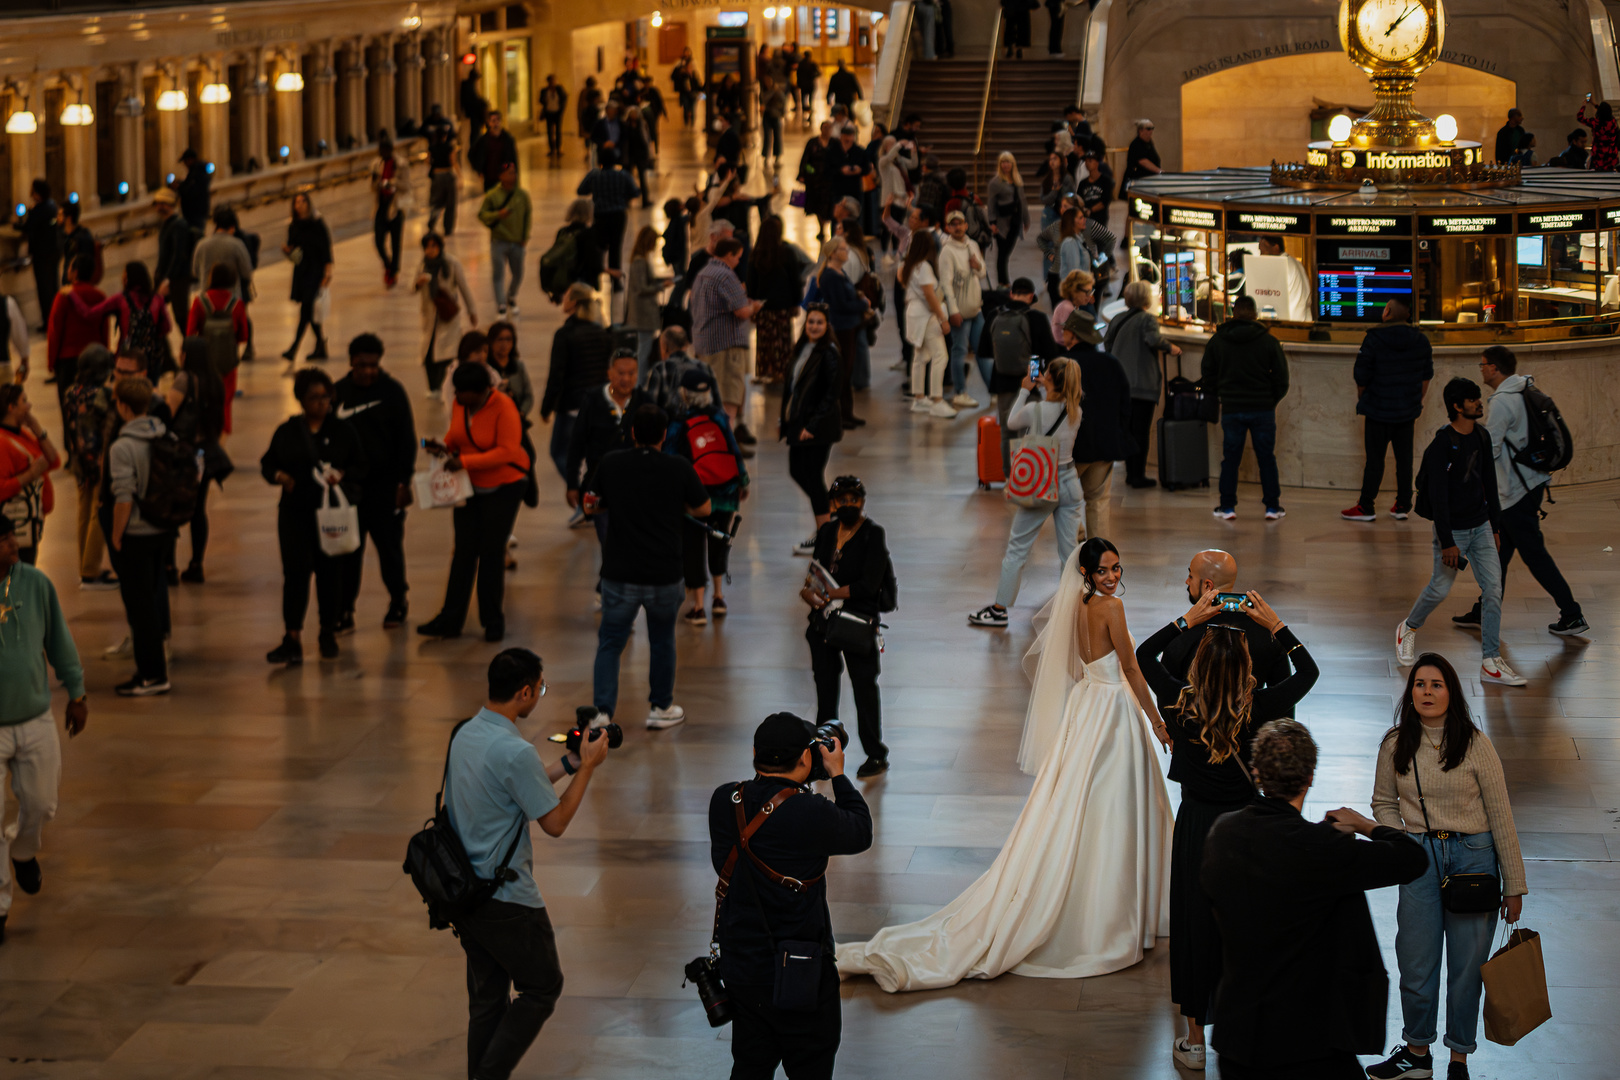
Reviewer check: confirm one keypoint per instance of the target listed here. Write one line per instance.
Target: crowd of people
(648, 435)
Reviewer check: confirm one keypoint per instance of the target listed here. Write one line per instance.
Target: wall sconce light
(289, 82)
(657, 19)
(215, 93)
(22, 122)
(78, 115)
(413, 22)
(172, 101)
(770, 13)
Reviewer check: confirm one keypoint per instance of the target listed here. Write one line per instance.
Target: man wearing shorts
(721, 312)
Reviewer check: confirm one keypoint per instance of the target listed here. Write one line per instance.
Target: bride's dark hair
(1091, 553)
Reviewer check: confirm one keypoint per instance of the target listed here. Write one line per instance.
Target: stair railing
(984, 102)
(894, 65)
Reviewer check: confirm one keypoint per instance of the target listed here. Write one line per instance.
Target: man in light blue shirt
(1521, 488)
(495, 785)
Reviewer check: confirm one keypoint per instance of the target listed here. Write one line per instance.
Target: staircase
(1025, 97)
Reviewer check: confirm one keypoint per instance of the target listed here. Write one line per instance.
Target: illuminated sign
(1364, 225)
(1142, 210)
(1465, 224)
(1192, 218)
(1611, 217)
(1265, 221)
(1322, 155)
(1359, 293)
(1378, 254)
(1557, 221)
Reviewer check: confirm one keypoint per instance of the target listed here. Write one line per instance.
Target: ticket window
(1463, 279)
(1557, 275)
(1280, 266)
(1608, 268)
(1192, 277)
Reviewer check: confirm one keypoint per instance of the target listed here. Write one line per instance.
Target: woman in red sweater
(26, 459)
(220, 295)
(486, 439)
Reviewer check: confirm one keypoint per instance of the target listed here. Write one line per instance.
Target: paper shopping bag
(1515, 989)
(438, 487)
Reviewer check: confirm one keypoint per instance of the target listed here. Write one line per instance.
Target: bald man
(1218, 569)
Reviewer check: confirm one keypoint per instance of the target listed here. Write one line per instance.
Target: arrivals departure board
(1358, 293)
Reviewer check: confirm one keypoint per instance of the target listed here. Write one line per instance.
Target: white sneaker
(920, 404)
(941, 410)
(511, 541)
(659, 719)
(963, 401)
(500, 313)
(1405, 644)
(1495, 670)
(122, 649)
(513, 313)
(1189, 1056)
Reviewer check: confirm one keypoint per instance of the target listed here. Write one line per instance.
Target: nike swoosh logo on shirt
(345, 412)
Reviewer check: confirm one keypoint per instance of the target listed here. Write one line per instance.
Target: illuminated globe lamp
(289, 82)
(172, 101)
(22, 122)
(215, 93)
(77, 115)
(1445, 128)
(1339, 129)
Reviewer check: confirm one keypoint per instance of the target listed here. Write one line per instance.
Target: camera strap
(745, 830)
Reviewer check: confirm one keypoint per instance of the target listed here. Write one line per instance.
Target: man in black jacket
(376, 405)
(602, 427)
(196, 200)
(760, 911)
(580, 352)
(1246, 368)
(1105, 423)
(1216, 569)
(44, 247)
(176, 244)
(1392, 374)
(1303, 988)
(76, 239)
(843, 88)
(493, 150)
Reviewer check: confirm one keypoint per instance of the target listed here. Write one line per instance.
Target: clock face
(1393, 30)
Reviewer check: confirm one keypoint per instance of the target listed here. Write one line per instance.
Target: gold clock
(1393, 41)
(1393, 31)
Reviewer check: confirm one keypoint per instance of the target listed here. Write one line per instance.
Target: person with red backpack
(221, 320)
(703, 436)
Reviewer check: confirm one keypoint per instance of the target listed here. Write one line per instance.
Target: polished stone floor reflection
(223, 896)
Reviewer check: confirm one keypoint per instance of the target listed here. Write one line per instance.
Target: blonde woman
(927, 327)
(1055, 414)
(1009, 211)
(441, 285)
(1076, 292)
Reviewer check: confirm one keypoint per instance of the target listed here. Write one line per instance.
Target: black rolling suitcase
(1183, 433)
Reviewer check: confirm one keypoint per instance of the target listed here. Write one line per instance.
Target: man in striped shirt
(721, 312)
(611, 191)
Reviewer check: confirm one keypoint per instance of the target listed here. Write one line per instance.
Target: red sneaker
(1358, 513)
(1398, 512)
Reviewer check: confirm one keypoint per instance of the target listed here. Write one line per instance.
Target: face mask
(848, 515)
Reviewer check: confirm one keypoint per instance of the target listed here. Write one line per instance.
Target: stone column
(289, 108)
(129, 143)
(172, 135)
(438, 74)
(28, 151)
(354, 72)
(216, 119)
(322, 83)
(79, 143)
(408, 84)
(255, 91)
(380, 88)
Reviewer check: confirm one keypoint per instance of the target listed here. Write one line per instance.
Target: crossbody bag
(1460, 894)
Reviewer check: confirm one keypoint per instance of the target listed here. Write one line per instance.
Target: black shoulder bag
(437, 862)
(1460, 894)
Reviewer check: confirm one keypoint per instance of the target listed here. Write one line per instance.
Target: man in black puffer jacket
(1246, 368)
(1393, 370)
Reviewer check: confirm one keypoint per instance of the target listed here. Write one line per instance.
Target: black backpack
(437, 862)
(173, 482)
(1549, 446)
(1010, 342)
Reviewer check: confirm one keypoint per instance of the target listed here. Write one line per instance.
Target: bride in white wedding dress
(1082, 886)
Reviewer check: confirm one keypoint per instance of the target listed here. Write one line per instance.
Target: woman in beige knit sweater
(1439, 778)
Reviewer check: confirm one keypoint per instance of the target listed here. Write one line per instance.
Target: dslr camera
(825, 734)
(588, 721)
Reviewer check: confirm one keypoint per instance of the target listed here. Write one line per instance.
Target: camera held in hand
(588, 719)
(825, 734)
(705, 974)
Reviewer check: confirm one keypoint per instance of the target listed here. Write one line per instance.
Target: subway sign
(1465, 224)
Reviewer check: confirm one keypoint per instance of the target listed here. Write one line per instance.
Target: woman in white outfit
(1082, 886)
(1055, 414)
(927, 327)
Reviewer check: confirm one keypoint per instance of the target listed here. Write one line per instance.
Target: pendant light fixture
(22, 122)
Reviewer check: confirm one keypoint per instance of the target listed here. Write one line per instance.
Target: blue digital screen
(1532, 251)
(1359, 293)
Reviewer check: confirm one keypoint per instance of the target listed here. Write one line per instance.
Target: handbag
(869, 182)
(1460, 894)
(846, 631)
(445, 305)
(322, 311)
(1515, 980)
(337, 519)
(796, 198)
(437, 861)
(438, 487)
(1032, 482)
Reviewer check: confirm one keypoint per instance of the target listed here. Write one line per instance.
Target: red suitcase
(990, 453)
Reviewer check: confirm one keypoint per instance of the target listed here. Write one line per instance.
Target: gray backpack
(1009, 341)
(219, 335)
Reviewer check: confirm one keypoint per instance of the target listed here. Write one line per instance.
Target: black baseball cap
(697, 381)
(781, 738)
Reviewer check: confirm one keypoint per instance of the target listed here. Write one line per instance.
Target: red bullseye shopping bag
(1033, 480)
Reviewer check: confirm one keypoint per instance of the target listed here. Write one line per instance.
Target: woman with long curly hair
(1217, 710)
(774, 275)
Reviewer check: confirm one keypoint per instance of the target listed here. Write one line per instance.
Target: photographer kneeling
(772, 925)
(495, 785)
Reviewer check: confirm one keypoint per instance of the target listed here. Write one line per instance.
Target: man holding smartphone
(1456, 489)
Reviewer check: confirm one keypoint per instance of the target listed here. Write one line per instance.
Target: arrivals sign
(1364, 225)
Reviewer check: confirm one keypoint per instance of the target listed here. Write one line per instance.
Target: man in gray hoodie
(138, 548)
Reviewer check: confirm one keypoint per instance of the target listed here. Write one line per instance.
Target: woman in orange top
(486, 439)
(26, 459)
(219, 294)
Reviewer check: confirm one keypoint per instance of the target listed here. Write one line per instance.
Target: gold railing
(984, 102)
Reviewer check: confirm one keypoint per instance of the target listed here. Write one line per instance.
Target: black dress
(1208, 790)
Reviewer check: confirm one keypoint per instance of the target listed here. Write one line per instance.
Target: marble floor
(223, 896)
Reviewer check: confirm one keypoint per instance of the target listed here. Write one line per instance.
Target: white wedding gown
(1082, 886)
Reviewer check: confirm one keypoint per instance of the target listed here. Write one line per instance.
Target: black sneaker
(396, 615)
(27, 875)
(328, 645)
(289, 652)
(495, 631)
(744, 436)
(989, 615)
(807, 546)
(139, 687)
(345, 624)
(193, 574)
(1470, 617)
(1402, 1063)
(871, 767)
(438, 628)
(2, 929)
(1571, 626)
(1457, 1070)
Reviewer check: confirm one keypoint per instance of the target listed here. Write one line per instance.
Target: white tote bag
(323, 307)
(438, 487)
(337, 519)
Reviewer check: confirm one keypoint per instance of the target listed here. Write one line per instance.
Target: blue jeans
(964, 343)
(562, 432)
(1424, 926)
(1067, 517)
(620, 602)
(1477, 546)
(1261, 425)
(504, 254)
